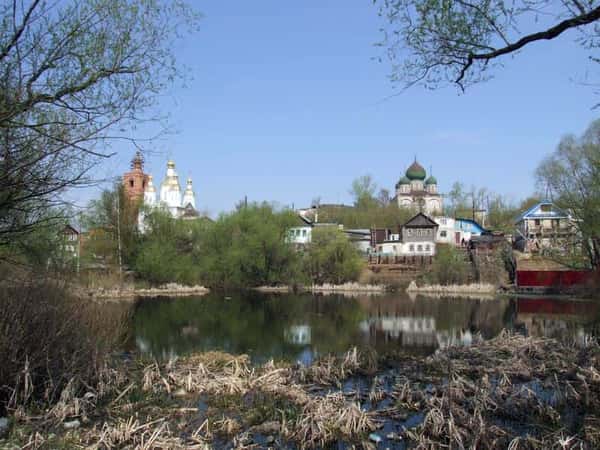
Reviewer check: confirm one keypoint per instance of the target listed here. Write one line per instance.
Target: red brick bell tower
(134, 182)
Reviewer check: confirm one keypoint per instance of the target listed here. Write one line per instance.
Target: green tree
(110, 219)
(571, 174)
(249, 247)
(363, 191)
(332, 258)
(450, 266)
(171, 249)
(434, 43)
(76, 76)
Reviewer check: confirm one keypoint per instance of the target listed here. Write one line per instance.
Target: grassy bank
(511, 392)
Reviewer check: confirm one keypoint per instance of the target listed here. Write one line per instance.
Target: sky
(286, 102)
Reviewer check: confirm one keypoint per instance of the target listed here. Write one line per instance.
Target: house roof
(302, 221)
(471, 221)
(70, 229)
(535, 212)
(420, 220)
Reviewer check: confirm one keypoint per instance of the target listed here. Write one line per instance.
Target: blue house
(542, 225)
(468, 227)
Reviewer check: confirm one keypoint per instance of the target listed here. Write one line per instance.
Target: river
(303, 327)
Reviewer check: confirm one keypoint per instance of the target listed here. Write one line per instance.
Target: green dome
(431, 180)
(403, 180)
(416, 172)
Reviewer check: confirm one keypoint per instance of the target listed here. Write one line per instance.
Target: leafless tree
(76, 76)
(461, 41)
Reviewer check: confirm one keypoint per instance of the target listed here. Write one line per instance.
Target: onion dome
(430, 180)
(416, 172)
(403, 181)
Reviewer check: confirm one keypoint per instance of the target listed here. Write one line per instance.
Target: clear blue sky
(287, 102)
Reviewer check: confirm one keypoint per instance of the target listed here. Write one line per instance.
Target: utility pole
(118, 190)
(79, 245)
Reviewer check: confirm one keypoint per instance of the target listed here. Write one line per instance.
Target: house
(360, 239)
(417, 237)
(544, 225)
(300, 235)
(70, 242)
(457, 231)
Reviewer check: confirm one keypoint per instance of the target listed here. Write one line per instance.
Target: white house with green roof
(417, 191)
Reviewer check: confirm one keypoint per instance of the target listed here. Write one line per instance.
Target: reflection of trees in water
(292, 326)
(248, 322)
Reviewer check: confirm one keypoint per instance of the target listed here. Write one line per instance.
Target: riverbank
(453, 290)
(130, 292)
(346, 289)
(510, 392)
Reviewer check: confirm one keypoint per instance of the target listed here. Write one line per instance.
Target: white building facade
(170, 196)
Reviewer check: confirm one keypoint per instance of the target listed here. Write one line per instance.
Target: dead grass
(511, 392)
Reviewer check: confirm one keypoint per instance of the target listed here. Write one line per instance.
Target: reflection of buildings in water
(145, 347)
(553, 327)
(410, 331)
(454, 337)
(298, 334)
(558, 319)
(189, 330)
(142, 345)
(413, 332)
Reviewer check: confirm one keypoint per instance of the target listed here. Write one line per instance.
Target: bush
(332, 258)
(48, 338)
(450, 266)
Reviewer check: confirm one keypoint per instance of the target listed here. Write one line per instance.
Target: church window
(131, 183)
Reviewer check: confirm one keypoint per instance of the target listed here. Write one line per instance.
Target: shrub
(332, 258)
(450, 266)
(49, 338)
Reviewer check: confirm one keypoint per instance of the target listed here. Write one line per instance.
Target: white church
(416, 191)
(178, 205)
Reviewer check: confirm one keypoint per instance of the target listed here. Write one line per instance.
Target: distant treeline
(244, 248)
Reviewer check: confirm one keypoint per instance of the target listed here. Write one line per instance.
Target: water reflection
(571, 321)
(302, 327)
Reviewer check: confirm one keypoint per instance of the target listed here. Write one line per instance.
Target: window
(380, 248)
(419, 248)
(411, 248)
(427, 248)
(443, 234)
(394, 248)
(130, 183)
(303, 233)
(537, 222)
(409, 232)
